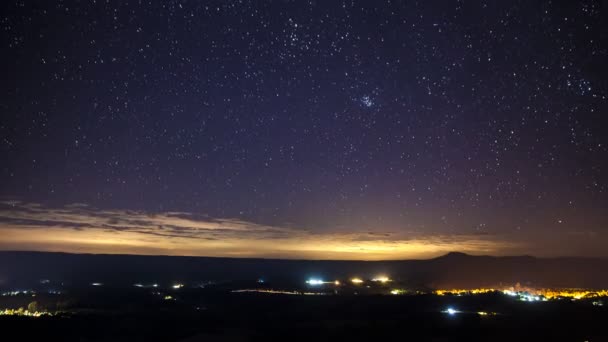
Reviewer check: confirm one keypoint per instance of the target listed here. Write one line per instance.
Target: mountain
(453, 270)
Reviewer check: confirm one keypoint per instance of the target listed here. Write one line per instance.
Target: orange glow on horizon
(79, 229)
(96, 241)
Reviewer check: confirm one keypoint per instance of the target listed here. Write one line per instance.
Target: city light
(22, 312)
(382, 279)
(337, 282)
(315, 282)
(450, 311)
(280, 292)
(18, 292)
(356, 281)
(178, 286)
(460, 292)
(529, 298)
(144, 285)
(530, 294)
(397, 292)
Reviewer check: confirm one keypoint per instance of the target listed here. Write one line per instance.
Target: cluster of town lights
(271, 291)
(451, 311)
(22, 312)
(381, 279)
(530, 294)
(356, 281)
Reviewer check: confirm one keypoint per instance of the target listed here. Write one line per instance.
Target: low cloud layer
(84, 229)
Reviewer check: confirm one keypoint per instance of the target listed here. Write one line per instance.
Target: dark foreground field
(207, 316)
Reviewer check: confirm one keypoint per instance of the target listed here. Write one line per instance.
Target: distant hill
(451, 270)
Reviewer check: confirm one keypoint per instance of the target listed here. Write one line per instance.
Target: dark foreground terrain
(216, 315)
(453, 270)
(140, 298)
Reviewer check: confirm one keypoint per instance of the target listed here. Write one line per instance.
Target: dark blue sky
(391, 117)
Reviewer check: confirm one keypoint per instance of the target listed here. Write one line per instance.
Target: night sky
(304, 129)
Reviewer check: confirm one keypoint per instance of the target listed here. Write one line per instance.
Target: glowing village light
(450, 311)
(178, 286)
(315, 282)
(356, 280)
(382, 279)
(510, 293)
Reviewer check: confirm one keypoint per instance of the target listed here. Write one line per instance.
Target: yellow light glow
(382, 279)
(541, 293)
(460, 292)
(282, 292)
(337, 282)
(130, 232)
(22, 312)
(356, 281)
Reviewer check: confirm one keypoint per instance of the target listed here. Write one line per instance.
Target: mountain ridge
(451, 254)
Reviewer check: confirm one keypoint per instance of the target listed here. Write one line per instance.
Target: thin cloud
(80, 227)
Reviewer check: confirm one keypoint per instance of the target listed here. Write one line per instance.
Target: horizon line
(452, 253)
